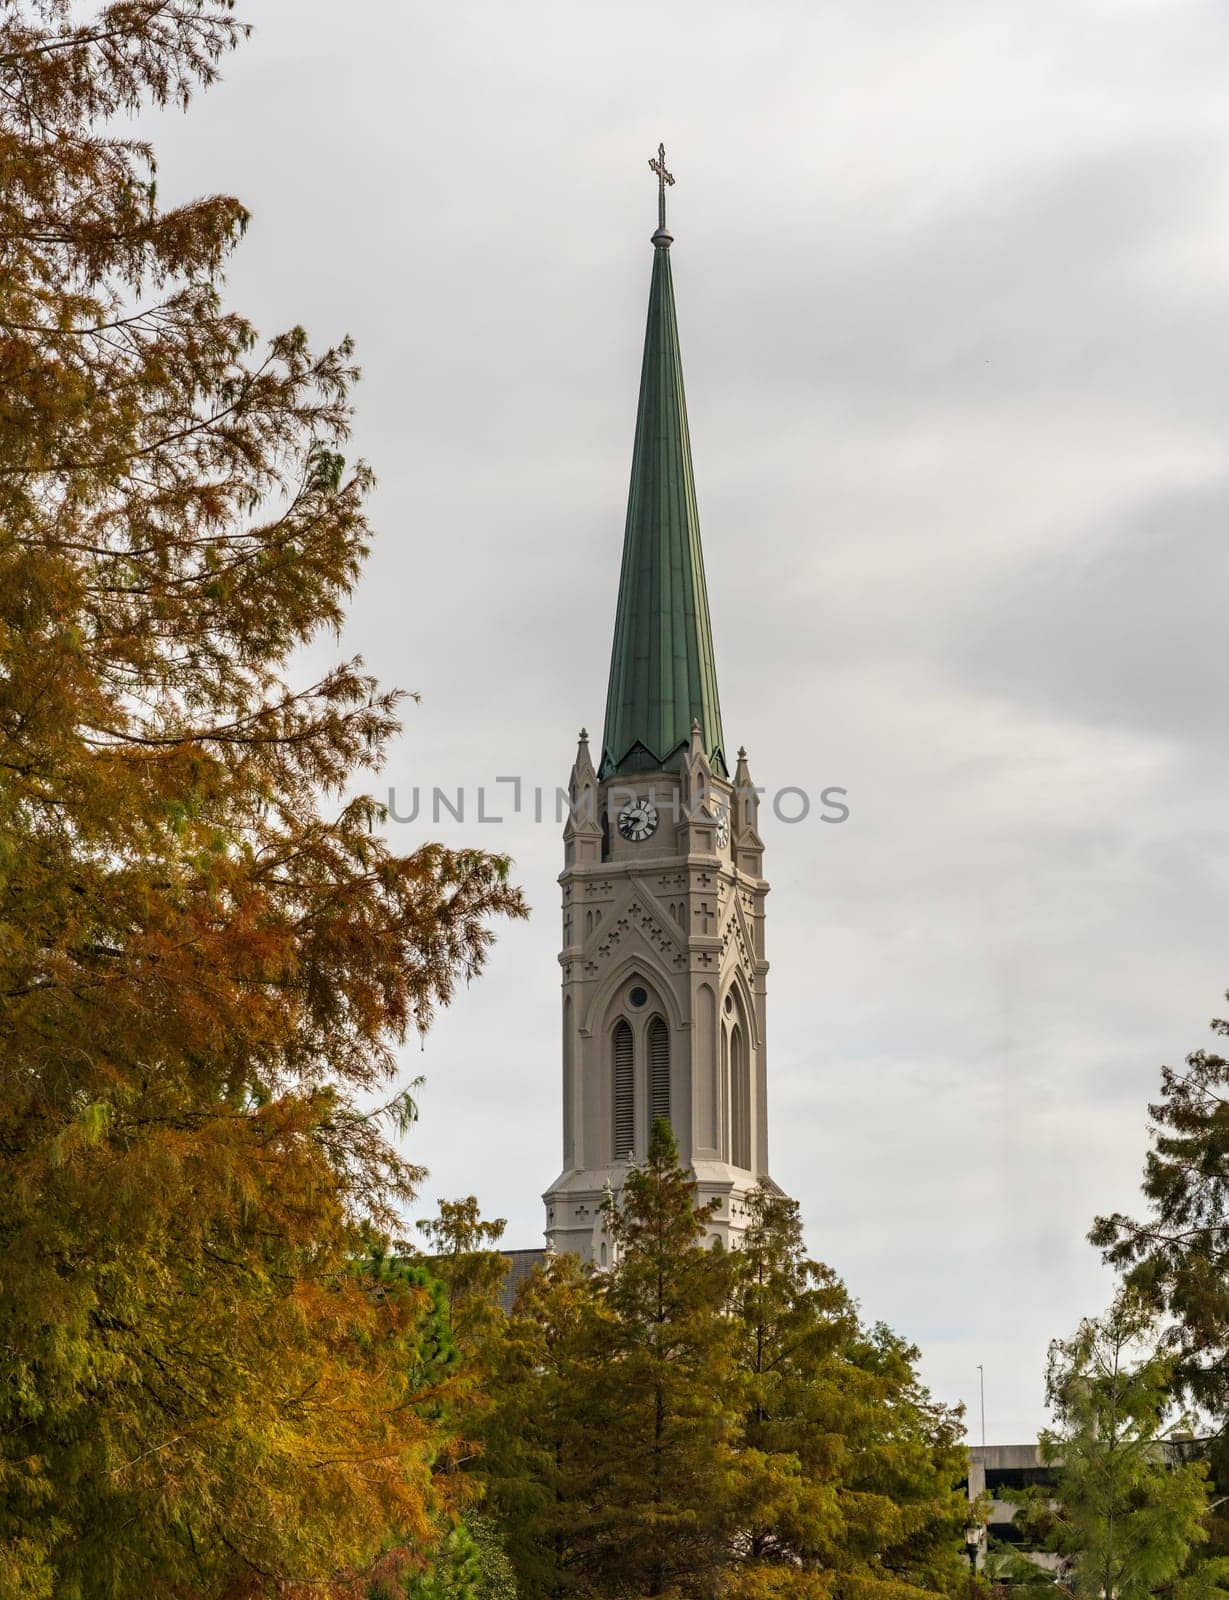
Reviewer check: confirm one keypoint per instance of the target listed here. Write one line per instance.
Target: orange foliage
(207, 949)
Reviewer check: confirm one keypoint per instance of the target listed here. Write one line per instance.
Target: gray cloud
(1133, 633)
(950, 282)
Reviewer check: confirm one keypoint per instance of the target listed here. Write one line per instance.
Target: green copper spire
(662, 670)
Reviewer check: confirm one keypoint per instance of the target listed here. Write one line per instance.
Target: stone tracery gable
(736, 931)
(642, 915)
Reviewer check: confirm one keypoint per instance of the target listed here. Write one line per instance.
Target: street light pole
(975, 1529)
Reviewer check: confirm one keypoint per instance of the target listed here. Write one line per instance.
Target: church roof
(662, 669)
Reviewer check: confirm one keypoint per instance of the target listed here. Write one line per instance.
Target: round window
(729, 1005)
(638, 997)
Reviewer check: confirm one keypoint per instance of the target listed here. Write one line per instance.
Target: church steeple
(664, 996)
(663, 673)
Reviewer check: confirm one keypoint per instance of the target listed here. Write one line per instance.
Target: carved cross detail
(663, 178)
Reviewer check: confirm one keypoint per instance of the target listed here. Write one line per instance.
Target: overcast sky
(953, 291)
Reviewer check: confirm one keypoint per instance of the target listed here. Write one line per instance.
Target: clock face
(723, 827)
(638, 820)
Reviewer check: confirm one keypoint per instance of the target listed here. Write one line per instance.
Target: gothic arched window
(740, 1099)
(659, 1070)
(724, 1143)
(569, 1091)
(624, 1076)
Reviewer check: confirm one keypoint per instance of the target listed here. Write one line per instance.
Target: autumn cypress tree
(207, 951)
(851, 1470)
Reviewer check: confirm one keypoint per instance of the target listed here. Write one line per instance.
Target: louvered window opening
(624, 1092)
(740, 1101)
(659, 1070)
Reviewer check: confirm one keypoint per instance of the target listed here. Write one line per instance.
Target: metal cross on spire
(663, 178)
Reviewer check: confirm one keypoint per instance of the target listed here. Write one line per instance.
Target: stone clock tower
(663, 888)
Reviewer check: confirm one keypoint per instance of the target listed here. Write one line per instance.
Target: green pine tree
(664, 1400)
(611, 1456)
(852, 1471)
(468, 1563)
(536, 1460)
(690, 1422)
(1129, 1516)
(465, 1257)
(1177, 1256)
